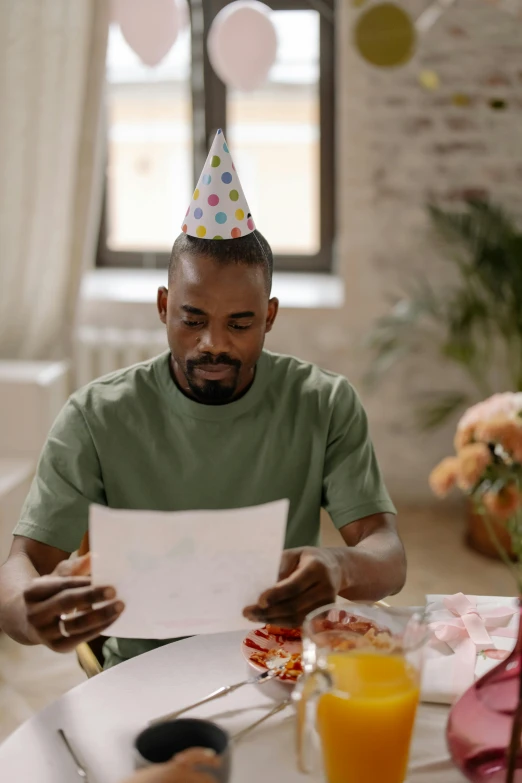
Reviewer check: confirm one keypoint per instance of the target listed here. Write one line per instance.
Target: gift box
(469, 634)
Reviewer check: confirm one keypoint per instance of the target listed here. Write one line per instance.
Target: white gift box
(469, 636)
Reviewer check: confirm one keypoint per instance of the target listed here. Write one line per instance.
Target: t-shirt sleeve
(353, 486)
(68, 479)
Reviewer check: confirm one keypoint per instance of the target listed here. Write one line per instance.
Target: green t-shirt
(133, 440)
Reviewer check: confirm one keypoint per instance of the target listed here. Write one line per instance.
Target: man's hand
(370, 567)
(309, 577)
(183, 768)
(66, 589)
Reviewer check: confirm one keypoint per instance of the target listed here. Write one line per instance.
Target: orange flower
(472, 462)
(464, 435)
(444, 476)
(503, 504)
(503, 430)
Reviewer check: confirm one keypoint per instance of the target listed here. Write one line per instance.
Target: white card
(182, 573)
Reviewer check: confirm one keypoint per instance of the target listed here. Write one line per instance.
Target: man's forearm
(372, 569)
(15, 575)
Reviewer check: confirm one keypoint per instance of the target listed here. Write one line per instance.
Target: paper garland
(384, 36)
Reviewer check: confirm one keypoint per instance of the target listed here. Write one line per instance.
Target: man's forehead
(201, 275)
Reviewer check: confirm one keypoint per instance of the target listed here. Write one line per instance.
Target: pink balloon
(150, 27)
(183, 15)
(242, 44)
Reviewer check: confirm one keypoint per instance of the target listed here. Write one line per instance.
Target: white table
(103, 715)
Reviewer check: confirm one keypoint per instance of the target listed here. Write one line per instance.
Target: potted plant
(474, 322)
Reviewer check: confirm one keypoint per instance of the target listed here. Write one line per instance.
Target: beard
(211, 392)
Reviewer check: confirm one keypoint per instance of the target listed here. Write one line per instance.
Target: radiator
(98, 351)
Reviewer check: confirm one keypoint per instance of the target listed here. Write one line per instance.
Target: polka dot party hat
(218, 209)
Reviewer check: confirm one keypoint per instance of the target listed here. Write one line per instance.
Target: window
(149, 152)
(161, 121)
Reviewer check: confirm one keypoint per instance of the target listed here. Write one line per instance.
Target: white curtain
(52, 74)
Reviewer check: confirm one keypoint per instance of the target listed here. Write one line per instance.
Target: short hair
(251, 250)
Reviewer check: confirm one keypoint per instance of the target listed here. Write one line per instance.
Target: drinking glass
(359, 691)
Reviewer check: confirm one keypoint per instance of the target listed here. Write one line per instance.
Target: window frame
(209, 109)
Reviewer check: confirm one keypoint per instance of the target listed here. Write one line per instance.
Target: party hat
(218, 209)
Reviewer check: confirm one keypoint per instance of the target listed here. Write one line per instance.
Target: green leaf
(440, 409)
(460, 352)
(467, 320)
(389, 355)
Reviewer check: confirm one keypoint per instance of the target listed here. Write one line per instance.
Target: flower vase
(485, 724)
(478, 535)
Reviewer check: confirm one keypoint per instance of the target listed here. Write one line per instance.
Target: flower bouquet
(487, 466)
(485, 725)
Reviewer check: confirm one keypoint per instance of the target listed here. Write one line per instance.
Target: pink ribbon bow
(468, 633)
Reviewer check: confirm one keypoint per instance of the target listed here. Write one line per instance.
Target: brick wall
(397, 145)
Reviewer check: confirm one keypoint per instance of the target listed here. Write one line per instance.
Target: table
(103, 715)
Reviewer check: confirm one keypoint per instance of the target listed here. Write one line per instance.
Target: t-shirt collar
(197, 410)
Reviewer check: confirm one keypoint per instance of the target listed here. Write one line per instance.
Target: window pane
(149, 177)
(274, 136)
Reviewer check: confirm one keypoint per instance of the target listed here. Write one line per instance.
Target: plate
(272, 647)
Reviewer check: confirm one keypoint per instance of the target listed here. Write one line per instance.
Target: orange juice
(366, 723)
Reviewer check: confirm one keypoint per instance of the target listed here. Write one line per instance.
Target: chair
(87, 658)
(90, 654)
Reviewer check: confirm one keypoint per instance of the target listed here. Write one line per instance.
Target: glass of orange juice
(359, 691)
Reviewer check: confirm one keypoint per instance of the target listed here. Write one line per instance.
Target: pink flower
(444, 476)
(463, 437)
(505, 404)
(472, 462)
(497, 655)
(502, 430)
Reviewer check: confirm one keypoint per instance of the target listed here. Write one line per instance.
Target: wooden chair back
(90, 654)
(84, 546)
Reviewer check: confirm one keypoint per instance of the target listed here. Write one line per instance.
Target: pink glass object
(480, 724)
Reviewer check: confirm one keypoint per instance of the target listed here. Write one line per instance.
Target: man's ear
(273, 309)
(162, 304)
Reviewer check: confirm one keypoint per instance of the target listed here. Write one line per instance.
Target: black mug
(160, 742)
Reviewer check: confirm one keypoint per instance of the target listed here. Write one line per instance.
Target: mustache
(208, 359)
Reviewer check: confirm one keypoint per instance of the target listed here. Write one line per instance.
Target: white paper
(183, 573)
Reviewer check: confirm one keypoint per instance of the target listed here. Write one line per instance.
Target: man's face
(216, 316)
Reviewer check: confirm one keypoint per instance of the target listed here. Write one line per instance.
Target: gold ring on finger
(61, 626)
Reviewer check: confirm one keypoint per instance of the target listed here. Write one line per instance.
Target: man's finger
(287, 589)
(289, 562)
(290, 609)
(87, 622)
(44, 587)
(189, 776)
(200, 756)
(64, 644)
(43, 613)
(166, 773)
(292, 613)
(77, 566)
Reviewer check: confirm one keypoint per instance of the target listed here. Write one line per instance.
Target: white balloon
(150, 27)
(242, 44)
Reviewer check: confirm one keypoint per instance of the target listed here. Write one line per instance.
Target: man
(215, 423)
